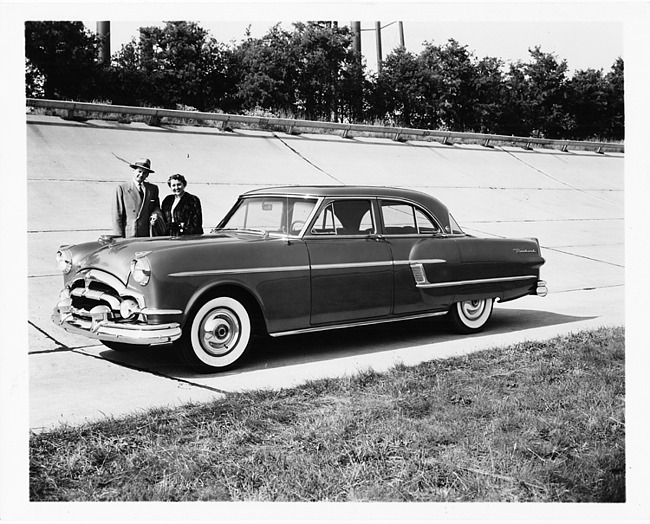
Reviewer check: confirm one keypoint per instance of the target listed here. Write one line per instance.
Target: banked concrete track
(571, 201)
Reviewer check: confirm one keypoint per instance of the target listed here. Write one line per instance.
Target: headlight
(141, 270)
(64, 260)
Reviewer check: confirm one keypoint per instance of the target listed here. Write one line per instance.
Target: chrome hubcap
(219, 331)
(473, 309)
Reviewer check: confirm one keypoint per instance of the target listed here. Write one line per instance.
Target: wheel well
(242, 295)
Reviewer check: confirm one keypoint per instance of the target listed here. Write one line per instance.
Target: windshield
(269, 215)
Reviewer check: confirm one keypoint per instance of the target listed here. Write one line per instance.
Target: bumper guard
(100, 328)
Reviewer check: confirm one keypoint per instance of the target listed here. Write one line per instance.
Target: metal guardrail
(397, 133)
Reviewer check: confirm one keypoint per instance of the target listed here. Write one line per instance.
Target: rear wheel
(122, 347)
(470, 316)
(217, 336)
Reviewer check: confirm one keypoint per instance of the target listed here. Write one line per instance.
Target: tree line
(313, 72)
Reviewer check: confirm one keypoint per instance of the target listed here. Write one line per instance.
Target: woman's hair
(178, 177)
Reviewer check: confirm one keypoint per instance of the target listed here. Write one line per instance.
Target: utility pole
(104, 33)
(378, 31)
(356, 36)
(401, 33)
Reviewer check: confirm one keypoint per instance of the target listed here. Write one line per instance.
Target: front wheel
(470, 316)
(217, 336)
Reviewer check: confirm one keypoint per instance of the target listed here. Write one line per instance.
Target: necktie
(141, 189)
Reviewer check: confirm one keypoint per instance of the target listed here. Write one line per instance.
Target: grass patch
(536, 421)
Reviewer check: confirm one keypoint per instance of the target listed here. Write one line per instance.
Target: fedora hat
(143, 163)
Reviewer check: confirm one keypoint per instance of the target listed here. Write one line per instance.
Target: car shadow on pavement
(268, 352)
(315, 347)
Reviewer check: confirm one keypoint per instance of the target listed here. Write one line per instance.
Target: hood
(116, 258)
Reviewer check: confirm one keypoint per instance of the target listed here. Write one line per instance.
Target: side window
(299, 214)
(455, 228)
(366, 226)
(345, 217)
(325, 223)
(405, 219)
(425, 226)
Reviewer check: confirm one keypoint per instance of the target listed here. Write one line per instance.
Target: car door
(351, 266)
(415, 237)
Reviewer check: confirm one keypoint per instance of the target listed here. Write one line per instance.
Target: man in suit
(134, 203)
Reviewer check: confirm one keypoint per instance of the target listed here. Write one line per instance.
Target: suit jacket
(131, 212)
(188, 212)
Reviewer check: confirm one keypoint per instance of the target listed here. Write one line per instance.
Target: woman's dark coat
(187, 214)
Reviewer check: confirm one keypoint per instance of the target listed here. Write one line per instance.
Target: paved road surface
(573, 202)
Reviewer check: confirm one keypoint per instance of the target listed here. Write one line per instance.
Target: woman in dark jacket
(181, 210)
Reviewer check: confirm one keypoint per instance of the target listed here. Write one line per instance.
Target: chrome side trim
(423, 261)
(276, 269)
(154, 311)
(279, 269)
(353, 265)
(477, 281)
(238, 271)
(356, 324)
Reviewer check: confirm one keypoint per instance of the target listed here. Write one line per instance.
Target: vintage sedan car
(289, 260)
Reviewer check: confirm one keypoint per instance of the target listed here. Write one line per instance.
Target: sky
(594, 44)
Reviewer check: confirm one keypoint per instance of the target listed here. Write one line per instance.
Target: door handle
(377, 238)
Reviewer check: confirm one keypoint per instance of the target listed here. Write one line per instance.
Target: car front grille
(87, 294)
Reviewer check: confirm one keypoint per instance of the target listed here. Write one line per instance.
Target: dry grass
(539, 422)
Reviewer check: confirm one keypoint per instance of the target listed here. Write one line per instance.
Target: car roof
(335, 191)
(433, 204)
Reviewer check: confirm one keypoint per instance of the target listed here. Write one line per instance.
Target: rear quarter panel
(478, 268)
(496, 258)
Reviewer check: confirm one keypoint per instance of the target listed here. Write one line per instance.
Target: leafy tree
(176, 65)
(354, 90)
(489, 95)
(310, 72)
(616, 100)
(516, 113)
(313, 72)
(65, 56)
(449, 76)
(268, 73)
(129, 83)
(34, 81)
(546, 93)
(399, 94)
(325, 56)
(587, 99)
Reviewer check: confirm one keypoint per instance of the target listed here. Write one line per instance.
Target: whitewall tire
(217, 336)
(472, 315)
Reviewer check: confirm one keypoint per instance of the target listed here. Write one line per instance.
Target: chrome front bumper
(101, 328)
